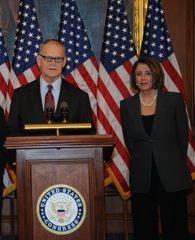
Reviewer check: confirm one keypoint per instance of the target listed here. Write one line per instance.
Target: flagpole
(139, 16)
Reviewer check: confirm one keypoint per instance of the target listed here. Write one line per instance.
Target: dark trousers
(173, 212)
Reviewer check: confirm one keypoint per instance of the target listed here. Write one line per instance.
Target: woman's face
(143, 77)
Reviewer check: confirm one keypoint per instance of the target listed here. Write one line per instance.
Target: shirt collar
(56, 85)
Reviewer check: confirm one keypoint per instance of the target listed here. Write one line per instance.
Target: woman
(2, 158)
(155, 129)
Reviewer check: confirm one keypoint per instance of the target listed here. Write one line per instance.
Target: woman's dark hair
(156, 71)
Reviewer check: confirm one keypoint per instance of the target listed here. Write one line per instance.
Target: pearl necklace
(150, 104)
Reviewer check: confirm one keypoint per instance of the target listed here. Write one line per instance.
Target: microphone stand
(64, 115)
(49, 115)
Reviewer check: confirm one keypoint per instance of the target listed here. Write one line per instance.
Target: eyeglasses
(49, 59)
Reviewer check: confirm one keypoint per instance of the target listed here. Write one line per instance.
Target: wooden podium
(60, 185)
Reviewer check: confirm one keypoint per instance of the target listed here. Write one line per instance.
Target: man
(2, 159)
(28, 102)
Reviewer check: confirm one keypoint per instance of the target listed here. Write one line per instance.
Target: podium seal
(61, 209)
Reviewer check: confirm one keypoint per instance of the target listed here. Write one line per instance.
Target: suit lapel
(161, 109)
(62, 96)
(35, 101)
(136, 109)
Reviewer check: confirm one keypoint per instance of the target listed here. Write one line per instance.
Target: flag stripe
(119, 84)
(173, 75)
(3, 85)
(117, 135)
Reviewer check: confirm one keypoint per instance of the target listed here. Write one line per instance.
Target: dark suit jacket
(2, 139)
(167, 143)
(26, 106)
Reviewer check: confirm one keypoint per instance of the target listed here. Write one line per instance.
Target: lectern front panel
(65, 184)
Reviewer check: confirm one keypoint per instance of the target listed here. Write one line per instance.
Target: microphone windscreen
(64, 105)
(48, 105)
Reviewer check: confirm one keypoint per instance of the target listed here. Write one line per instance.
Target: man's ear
(64, 62)
(38, 59)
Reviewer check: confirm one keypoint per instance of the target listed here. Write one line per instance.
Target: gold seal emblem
(61, 209)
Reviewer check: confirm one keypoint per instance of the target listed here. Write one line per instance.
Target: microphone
(64, 112)
(49, 112)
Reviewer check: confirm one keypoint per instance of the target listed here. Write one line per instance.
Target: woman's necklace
(150, 104)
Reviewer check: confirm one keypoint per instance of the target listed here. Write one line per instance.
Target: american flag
(9, 176)
(157, 44)
(117, 57)
(81, 66)
(24, 68)
(4, 71)
(27, 41)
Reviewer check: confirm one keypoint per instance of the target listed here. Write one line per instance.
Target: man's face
(51, 71)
